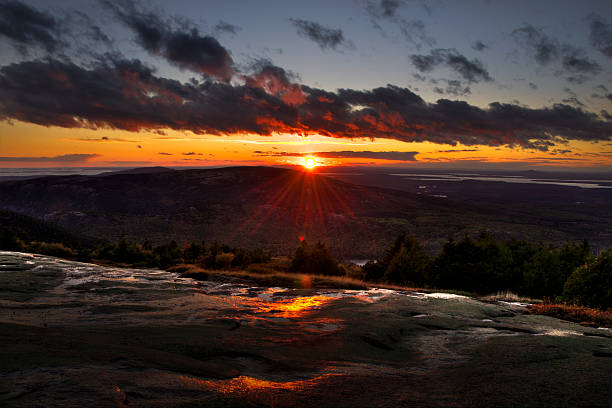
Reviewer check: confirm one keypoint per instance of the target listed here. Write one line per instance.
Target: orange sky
(172, 148)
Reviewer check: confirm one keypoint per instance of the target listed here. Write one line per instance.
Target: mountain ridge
(266, 207)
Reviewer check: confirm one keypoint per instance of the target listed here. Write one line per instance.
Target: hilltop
(266, 207)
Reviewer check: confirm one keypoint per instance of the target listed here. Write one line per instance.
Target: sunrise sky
(521, 84)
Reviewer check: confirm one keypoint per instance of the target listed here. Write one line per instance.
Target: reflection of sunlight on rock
(245, 384)
(293, 307)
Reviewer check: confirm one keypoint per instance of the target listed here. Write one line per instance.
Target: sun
(310, 162)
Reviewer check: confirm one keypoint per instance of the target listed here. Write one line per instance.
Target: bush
(408, 265)
(481, 266)
(224, 260)
(316, 260)
(591, 284)
(52, 248)
(12, 240)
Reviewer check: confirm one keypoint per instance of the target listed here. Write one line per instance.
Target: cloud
(165, 154)
(275, 81)
(542, 47)
(383, 9)
(65, 158)
(124, 94)
(577, 79)
(453, 87)
(600, 36)
(456, 150)
(573, 101)
(479, 46)
(347, 154)
(573, 61)
(602, 93)
(545, 50)
(182, 46)
(104, 139)
(411, 30)
(325, 37)
(470, 70)
(28, 27)
(533, 86)
(191, 154)
(225, 27)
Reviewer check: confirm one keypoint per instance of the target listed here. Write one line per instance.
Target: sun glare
(310, 162)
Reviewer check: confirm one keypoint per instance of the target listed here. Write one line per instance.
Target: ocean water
(506, 179)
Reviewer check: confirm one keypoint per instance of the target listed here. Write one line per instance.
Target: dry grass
(508, 296)
(268, 275)
(294, 280)
(583, 315)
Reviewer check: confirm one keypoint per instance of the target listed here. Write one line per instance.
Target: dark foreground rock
(75, 335)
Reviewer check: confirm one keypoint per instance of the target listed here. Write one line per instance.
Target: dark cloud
(165, 154)
(383, 9)
(577, 79)
(453, 87)
(602, 95)
(275, 81)
(88, 28)
(65, 158)
(543, 48)
(414, 32)
(573, 101)
(125, 94)
(575, 62)
(325, 37)
(533, 86)
(411, 30)
(426, 63)
(27, 27)
(225, 27)
(470, 70)
(182, 46)
(457, 150)
(479, 46)
(191, 154)
(560, 151)
(104, 139)
(601, 36)
(347, 154)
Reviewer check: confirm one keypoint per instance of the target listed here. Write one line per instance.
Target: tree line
(483, 265)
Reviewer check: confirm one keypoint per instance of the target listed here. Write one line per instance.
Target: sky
(415, 84)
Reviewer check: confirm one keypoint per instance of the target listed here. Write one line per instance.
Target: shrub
(408, 265)
(224, 260)
(481, 266)
(314, 260)
(12, 240)
(591, 284)
(51, 248)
